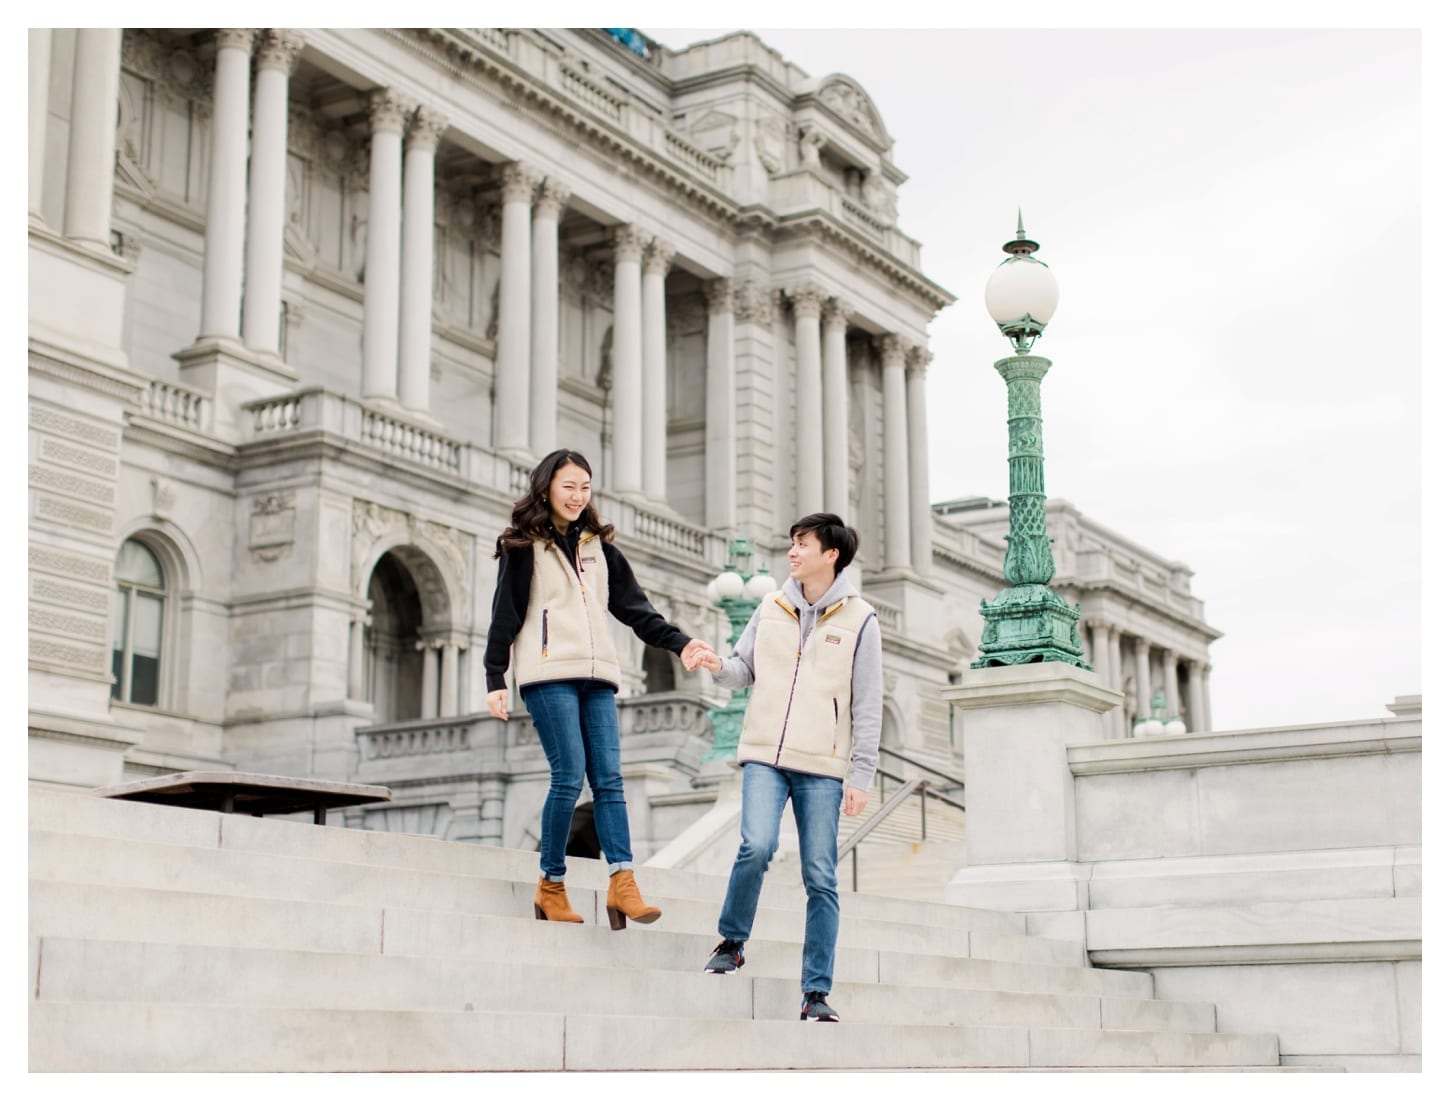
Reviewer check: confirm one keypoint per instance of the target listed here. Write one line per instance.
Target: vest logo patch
(587, 561)
(833, 640)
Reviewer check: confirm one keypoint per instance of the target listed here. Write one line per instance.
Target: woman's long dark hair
(531, 517)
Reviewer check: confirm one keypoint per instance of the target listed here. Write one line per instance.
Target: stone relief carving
(715, 132)
(770, 143)
(272, 529)
(755, 304)
(851, 104)
(811, 140)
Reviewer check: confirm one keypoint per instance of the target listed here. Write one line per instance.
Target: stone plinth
(1021, 828)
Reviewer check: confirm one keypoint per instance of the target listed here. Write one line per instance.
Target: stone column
(1145, 682)
(544, 357)
(628, 392)
(356, 682)
(1207, 723)
(448, 684)
(267, 192)
(809, 460)
(380, 285)
(1170, 683)
(1098, 632)
(1115, 679)
(835, 410)
(39, 72)
(91, 165)
(415, 323)
(895, 461)
(431, 653)
(655, 412)
(1196, 719)
(511, 369)
(919, 501)
(226, 195)
(720, 406)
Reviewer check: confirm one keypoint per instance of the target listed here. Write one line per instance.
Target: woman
(559, 573)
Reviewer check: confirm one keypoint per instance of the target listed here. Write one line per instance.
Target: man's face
(808, 562)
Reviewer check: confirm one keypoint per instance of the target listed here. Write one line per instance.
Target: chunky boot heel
(551, 903)
(624, 902)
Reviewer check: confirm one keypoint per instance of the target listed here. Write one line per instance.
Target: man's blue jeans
(817, 804)
(579, 730)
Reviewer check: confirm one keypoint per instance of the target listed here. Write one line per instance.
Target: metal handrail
(917, 785)
(953, 780)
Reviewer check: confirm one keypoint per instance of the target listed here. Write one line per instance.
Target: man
(811, 733)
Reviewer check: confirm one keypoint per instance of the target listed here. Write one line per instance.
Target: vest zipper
(584, 599)
(546, 634)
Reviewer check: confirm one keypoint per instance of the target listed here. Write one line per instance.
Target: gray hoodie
(738, 671)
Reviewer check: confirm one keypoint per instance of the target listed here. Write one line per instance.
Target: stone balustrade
(178, 405)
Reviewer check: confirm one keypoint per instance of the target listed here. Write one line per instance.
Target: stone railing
(407, 441)
(275, 415)
(580, 87)
(664, 532)
(711, 167)
(166, 401)
(889, 616)
(425, 738)
(667, 712)
(857, 216)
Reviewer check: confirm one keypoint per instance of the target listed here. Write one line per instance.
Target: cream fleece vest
(566, 631)
(799, 715)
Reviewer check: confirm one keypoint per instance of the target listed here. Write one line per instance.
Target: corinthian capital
(892, 348)
(657, 257)
(279, 50)
(754, 304)
(720, 295)
(387, 111)
(552, 197)
(807, 300)
(426, 129)
(629, 243)
(834, 312)
(236, 38)
(917, 358)
(519, 182)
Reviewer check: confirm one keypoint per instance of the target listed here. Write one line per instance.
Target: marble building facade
(305, 306)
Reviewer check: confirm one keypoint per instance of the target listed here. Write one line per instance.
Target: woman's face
(568, 494)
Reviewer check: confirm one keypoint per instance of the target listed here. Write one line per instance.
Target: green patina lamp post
(1026, 622)
(737, 592)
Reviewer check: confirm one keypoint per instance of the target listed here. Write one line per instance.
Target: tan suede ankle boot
(551, 903)
(623, 902)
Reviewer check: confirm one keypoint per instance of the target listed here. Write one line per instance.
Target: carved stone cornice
(658, 257)
(426, 128)
(720, 295)
(551, 199)
(807, 299)
(387, 111)
(279, 50)
(629, 243)
(892, 349)
(519, 182)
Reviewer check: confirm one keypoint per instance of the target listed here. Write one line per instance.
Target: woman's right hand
(498, 704)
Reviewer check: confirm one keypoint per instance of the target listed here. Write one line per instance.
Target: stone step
(89, 816)
(122, 1036)
(80, 970)
(127, 863)
(92, 911)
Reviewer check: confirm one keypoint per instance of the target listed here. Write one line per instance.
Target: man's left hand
(855, 801)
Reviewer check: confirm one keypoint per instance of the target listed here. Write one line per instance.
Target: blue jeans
(579, 730)
(817, 804)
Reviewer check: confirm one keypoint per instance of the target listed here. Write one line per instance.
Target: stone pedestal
(233, 375)
(1021, 829)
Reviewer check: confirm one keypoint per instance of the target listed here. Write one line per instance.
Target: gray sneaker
(814, 1008)
(728, 957)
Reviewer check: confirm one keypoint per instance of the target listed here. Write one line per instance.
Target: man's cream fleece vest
(566, 631)
(799, 716)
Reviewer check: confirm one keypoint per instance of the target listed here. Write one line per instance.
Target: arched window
(136, 625)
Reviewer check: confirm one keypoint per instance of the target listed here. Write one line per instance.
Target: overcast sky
(1232, 217)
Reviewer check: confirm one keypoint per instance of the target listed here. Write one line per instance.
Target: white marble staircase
(183, 940)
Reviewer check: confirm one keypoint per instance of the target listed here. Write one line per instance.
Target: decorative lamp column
(736, 591)
(1026, 622)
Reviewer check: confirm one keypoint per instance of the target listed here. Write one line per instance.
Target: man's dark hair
(832, 534)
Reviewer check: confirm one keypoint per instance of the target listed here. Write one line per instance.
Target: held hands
(855, 801)
(498, 704)
(696, 653)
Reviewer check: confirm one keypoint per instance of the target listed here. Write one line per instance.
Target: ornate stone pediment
(849, 101)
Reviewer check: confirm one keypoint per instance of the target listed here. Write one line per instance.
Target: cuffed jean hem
(554, 878)
(622, 866)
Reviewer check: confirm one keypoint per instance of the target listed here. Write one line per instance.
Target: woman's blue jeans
(817, 804)
(579, 729)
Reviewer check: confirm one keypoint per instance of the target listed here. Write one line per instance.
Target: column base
(1026, 624)
(233, 374)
